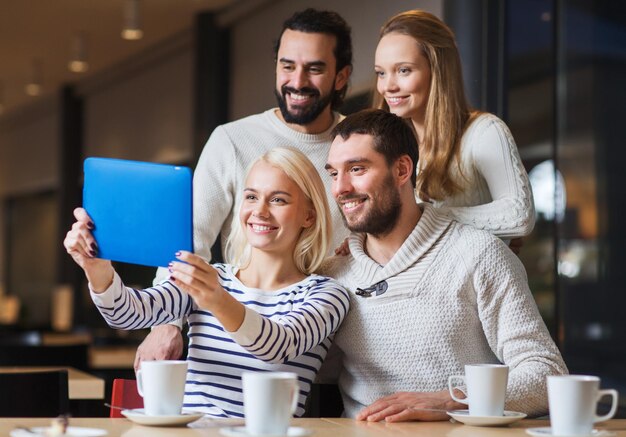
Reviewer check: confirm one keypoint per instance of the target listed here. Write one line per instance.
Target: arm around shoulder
(494, 155)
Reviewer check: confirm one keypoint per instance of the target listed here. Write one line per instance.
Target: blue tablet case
(142, 211)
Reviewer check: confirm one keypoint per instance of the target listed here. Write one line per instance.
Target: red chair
(125, 395)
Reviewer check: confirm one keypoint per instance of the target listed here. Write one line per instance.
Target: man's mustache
(348, 197)
(306, 90)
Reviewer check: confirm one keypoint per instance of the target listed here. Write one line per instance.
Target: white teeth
(299, 96)
(261, 228)
(394, 99)
(350, 204)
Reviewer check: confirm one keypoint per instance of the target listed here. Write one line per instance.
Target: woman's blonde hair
(447, 111)
(313, 241)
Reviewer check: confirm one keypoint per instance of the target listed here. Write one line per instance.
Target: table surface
(112, 357)
(81, 385)
(321, 427)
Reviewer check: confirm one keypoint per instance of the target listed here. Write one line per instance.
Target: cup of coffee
(485, 388)
(161, 384)
(269, 401)
(573, 400)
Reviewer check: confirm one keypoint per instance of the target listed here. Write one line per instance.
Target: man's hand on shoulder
(343, 249)
(405, 406)
(164, 342)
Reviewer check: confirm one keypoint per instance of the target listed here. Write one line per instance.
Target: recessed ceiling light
(34, 86)
(78, 60)
(132, 25)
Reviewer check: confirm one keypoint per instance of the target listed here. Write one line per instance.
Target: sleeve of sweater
(213, 190)
(288, 336)
(126, 308)
(514, 328)
(494, 155)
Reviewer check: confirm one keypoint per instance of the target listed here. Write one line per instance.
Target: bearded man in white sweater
(427, 294)
(313, 65)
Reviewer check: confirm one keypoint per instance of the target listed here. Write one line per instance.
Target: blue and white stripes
(283, 330)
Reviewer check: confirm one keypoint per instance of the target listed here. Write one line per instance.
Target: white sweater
(497, 196)
(456, 295)
(286, 330)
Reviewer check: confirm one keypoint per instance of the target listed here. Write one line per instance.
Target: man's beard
(305, 115)
(384, 213)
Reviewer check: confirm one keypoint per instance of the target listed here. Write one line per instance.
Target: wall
(29, 143)
(143, 111)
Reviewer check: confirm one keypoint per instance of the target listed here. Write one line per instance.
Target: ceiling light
(78, 60)
(132, 26)
(34, 86)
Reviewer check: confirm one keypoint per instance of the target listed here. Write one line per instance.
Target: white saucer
(72, 431)
(463, 416)
(240, 431)
(139, 416)
(547, 431)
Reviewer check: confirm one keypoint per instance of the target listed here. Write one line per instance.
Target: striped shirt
(286, 330)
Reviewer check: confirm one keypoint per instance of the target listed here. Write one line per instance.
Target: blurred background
(149, 80)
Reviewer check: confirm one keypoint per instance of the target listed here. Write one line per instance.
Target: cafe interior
(149, 80)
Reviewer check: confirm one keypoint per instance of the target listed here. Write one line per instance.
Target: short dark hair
(393, 137)
(330, 23)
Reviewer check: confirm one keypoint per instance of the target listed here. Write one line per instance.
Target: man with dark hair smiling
(428, 294)
(308, 21)
(313, 66)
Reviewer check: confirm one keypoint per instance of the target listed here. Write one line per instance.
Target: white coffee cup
(485, 388)
(161, 384)
(573, 400)
(269, 401)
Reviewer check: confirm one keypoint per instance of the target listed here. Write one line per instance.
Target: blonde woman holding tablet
(265, 310)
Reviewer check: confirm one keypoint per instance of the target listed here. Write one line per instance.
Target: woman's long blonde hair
(447, 111)
(313, 241)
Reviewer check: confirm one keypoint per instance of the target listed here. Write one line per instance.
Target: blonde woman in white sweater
(469, 162)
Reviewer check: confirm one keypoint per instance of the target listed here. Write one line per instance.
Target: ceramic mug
(269, 401)
(573, 400)
(485, 388)
(161, 384)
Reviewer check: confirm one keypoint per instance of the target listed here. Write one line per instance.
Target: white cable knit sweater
(497, 196)
(456, 295)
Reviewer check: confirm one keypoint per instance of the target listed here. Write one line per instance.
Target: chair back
(124, 395)
(34, 394)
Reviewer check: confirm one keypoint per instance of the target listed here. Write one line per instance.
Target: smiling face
(274, 210)
(363, 185)
(403, 76)
(306, 76)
